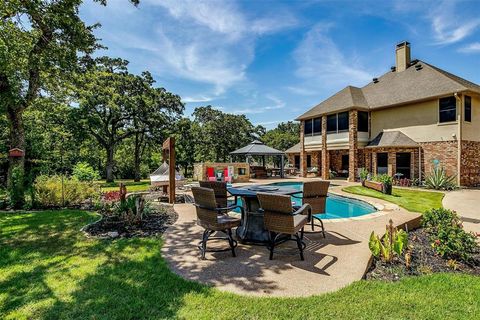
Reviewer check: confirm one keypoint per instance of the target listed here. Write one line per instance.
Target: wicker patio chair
(281, 219)
(220, 190)
(315, 193)
(213, 218)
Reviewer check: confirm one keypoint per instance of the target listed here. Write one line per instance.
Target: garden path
(466, 202)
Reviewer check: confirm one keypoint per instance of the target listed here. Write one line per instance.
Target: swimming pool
(337, 206)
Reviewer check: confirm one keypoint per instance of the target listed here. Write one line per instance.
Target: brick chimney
(402, 56)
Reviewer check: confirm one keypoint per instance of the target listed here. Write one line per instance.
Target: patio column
(319, 163)
(368, 160)
(303, 153)
(352, 145)
(392, 163)
(325, 154)
(282, 165)
(374, 163)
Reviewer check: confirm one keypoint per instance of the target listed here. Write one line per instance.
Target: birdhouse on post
(16, 153)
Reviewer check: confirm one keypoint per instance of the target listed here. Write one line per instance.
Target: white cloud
(278, 104)
(225, 17)
(222, 17)
(471, 48)
(302, 91)
(200, 98)
(322, 64)
(449, 27)
(211, 42)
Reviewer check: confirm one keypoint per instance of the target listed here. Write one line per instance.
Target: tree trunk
(16, 166)
(110, 162)
(136, 157)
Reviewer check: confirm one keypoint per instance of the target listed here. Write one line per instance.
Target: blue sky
(273, 60)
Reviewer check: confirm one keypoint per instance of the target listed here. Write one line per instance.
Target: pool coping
(379, 207)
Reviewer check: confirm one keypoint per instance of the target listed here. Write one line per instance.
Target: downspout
(459, 138)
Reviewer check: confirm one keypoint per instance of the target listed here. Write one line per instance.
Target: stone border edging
(411, 225)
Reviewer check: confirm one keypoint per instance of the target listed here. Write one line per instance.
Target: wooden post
(169, 146)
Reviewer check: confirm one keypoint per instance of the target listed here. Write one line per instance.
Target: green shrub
(393, 243)
(363, 174)
(3, 199)
(85, 172)
(133, 209)
(387, 182)
(439, 180)
(16, 190)
(447, 236)
(48, 191)
(385, 179)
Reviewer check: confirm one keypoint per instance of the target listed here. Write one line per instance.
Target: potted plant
(363, 176)
(387, 183)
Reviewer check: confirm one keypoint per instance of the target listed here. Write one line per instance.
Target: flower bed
(152, 224)
(424, 260)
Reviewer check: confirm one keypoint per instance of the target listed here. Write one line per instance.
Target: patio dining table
(252, 229)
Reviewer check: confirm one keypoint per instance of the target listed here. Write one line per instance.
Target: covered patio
(395, 154)
(258, 150)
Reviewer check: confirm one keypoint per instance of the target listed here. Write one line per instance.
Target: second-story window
(343, 121)
(332, 123)
(337, 122)
(362, 125)
(317, 125)
(308, 127)
(468, 109)
(447, 109)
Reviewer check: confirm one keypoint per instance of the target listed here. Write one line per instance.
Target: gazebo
(258, 148)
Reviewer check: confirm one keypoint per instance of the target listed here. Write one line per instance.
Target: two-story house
(412, 118)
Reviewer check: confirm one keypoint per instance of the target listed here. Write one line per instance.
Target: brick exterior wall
(470, 164)
(325, 172)
(303, 154)
(353, 145)
(446, 152)
(315, 157)
(370, 160)
(336, 159)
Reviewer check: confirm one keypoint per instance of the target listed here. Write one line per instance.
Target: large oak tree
(41, 42)
(115, 105)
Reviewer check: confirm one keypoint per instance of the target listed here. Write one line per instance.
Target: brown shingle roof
(294, 149)
(420, 81)
(387, 139)
(343, 99)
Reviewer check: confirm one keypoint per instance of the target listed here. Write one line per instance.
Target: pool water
(337, 206)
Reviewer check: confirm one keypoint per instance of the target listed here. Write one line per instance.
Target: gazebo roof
(257, 148)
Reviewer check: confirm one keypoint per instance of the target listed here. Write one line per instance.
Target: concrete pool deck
(466, 203)
(330, 264)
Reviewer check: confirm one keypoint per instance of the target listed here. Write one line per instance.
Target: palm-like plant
(439, 180)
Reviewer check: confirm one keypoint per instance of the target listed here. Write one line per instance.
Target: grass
(411, 200)
(49, 270)
(131, 185)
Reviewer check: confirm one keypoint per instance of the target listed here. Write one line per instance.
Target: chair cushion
(227, 222)
(299, 221)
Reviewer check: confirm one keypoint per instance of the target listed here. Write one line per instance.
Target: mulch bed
(112, 226)
(424, 260)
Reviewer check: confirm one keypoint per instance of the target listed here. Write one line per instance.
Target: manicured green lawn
(412, 200)
(131, 185)
(49, 270)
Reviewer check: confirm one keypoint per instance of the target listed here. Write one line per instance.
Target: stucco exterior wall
(419, 121)
(471, 130)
